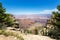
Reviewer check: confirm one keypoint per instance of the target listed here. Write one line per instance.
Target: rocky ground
(25, 36)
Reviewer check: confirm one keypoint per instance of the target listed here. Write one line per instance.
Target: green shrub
(36, 31)
(3, 32)
(11, 33)
(0, 32)
(21, 38)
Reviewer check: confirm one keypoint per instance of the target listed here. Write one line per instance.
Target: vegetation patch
(3, 32)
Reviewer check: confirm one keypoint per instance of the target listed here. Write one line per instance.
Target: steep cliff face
(28, 20)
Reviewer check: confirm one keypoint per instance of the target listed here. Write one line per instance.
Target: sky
(27, 7)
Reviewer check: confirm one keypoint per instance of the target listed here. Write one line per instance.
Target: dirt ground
(36, 37)
(2, 37)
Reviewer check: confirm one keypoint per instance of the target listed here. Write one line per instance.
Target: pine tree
(55, 21)
(5, 19)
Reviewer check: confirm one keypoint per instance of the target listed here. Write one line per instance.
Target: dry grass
(5, 33)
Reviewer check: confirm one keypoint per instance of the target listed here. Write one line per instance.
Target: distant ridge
(33, 16)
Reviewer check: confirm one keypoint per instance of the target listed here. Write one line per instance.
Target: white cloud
(19, 12)
(48, 11)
